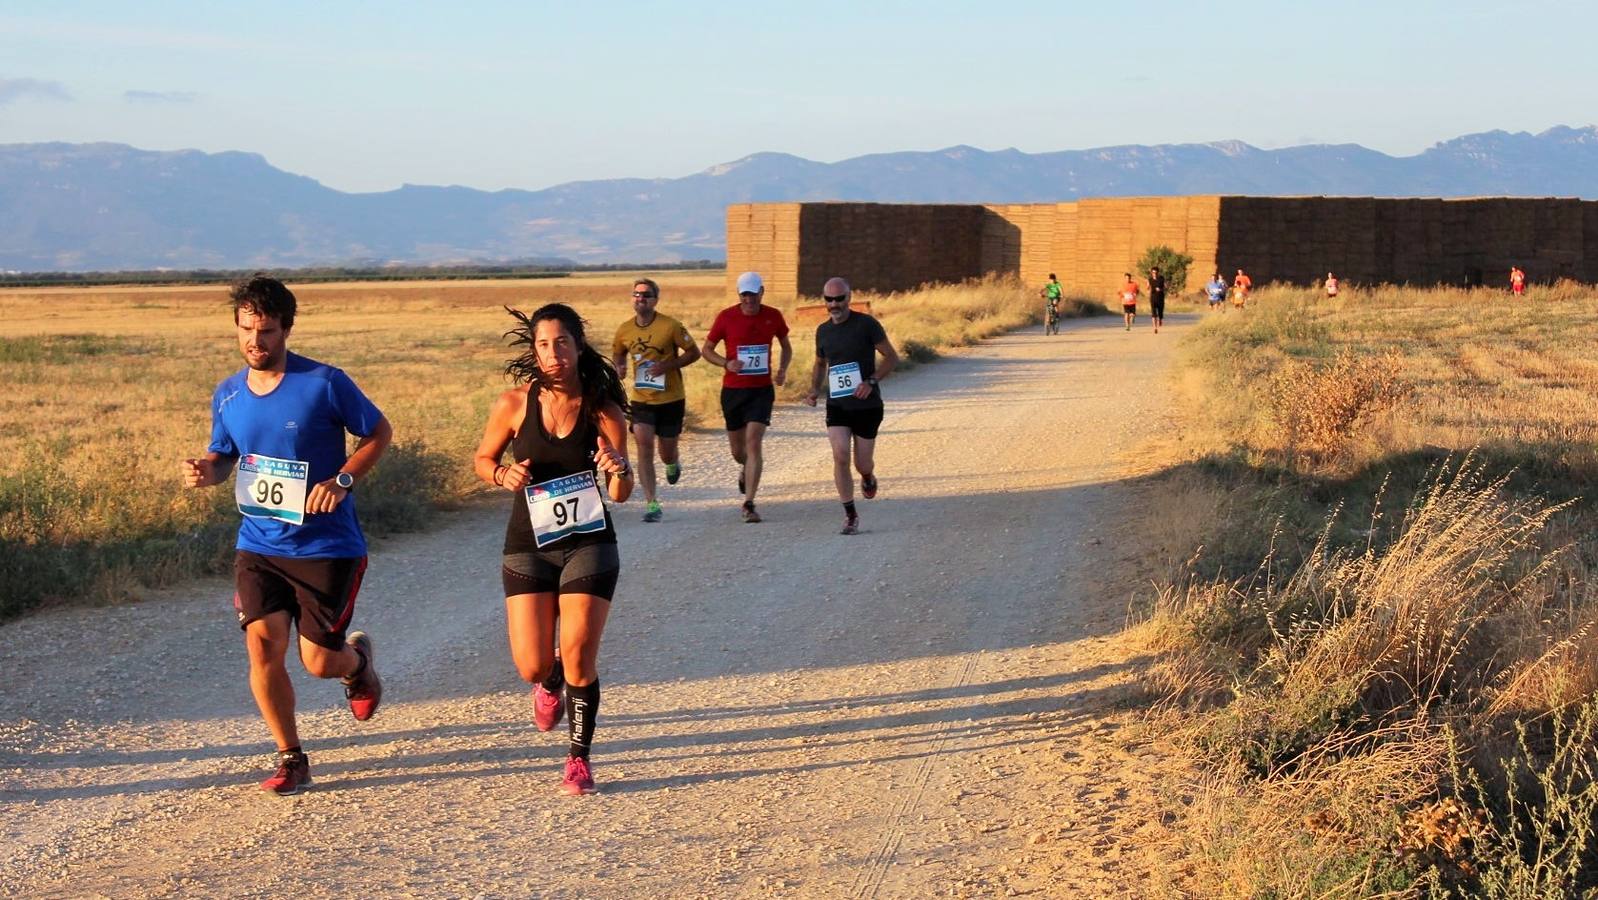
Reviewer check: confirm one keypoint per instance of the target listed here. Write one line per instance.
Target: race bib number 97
(271, 488)
(564, 506)
(843, 378)
(756, 359)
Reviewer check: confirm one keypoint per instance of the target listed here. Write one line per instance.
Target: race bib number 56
(844, 379)
(564, 506)
(271, 488)
(756, 359)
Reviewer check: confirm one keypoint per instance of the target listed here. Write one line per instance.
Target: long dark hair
(595, 375)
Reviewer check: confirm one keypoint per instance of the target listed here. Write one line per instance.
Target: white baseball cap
(749, 283)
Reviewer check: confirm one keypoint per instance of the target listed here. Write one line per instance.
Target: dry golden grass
(1371, 591)
(104, 390)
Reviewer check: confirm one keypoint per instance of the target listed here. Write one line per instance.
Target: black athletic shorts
(583, 569)
(665, 418)
(1157, 307)
(318, 594)
(740, 406)
(862, 423)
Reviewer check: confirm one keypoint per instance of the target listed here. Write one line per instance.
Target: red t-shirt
(751, 333)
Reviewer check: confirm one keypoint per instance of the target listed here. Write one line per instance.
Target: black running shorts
(1157, 307)
(862, 423)
(740, 406)
(665, 418)
(318, 594)
(583, 569)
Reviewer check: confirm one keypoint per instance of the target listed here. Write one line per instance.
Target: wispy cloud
(14, 89)
(160, 96)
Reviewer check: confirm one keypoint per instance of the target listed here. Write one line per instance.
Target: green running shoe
(652, 512)
(673, 472)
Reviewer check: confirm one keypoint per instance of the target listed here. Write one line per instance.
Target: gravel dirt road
(934, 707)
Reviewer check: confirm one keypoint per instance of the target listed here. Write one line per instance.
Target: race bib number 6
(844, 379)
(564, 506)
(756, 359)
(271, 488)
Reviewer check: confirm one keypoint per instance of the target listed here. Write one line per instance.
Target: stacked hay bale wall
(1090, 243)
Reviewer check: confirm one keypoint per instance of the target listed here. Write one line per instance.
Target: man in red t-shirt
(747, 393)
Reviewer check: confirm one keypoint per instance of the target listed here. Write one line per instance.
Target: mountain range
(83, 207)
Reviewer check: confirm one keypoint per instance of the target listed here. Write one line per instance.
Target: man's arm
(710, 355)
(787, 357)
(211, 469)
(817, 373)
(325, 496)
(688, 355)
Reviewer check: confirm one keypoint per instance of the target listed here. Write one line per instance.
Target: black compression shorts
(584, 569)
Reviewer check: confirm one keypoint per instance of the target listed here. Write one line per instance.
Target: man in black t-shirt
(847, 345)
(1157, 297)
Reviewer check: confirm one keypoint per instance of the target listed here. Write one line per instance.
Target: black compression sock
(292, 751)
(848, 509)
(582, 705)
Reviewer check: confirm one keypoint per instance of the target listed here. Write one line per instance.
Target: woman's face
(555, 349)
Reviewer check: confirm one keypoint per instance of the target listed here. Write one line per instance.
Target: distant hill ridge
(78, 207)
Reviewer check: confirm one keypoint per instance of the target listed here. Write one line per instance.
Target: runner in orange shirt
(1517, 281)
(1129, 292)
(1241, 285)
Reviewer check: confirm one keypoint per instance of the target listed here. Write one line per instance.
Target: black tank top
(553, 457)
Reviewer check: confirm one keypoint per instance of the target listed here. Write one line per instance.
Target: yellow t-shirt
(659, 342)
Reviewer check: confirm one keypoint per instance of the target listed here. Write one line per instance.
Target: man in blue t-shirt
(281, 422)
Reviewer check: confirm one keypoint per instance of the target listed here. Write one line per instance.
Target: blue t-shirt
(304, 418)
(1216, 289)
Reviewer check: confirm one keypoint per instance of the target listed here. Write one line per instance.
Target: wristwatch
(871, 380)
(344, 480)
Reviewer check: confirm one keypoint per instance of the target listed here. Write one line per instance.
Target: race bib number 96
(271, 488)
(843, 378)
(564, 506)
(756, 359)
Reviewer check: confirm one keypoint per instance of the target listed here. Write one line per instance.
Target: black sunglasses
(841, 299)
(642, 294)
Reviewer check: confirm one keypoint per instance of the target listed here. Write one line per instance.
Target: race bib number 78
(756, 359)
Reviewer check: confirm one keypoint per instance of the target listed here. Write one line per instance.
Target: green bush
(1171, 264)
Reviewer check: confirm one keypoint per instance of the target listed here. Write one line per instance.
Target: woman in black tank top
(565, 427)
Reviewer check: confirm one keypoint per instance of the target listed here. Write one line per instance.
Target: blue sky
(366, 96)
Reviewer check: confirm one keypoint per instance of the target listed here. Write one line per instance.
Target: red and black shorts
(318, 594)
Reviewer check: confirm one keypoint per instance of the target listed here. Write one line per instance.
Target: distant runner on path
(1331, 286)
(659, 348)
(1051, 305)
(301, 554)
(1216, 290)
(846, 368)
(1241, 285)
(1128, 293)
(1156, 297)
(747, 392)
(1517, 281)
(568, 440)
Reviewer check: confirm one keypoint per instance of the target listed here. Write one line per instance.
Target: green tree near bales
(1171, 264)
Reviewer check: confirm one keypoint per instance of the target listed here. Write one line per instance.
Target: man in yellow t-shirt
(659, 348)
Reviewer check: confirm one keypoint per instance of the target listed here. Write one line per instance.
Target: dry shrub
(1317, 407)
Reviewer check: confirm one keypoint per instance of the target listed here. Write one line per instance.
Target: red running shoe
(547, 708)
(868, 486)
(579, 780)
(364, 690)
(293, 772)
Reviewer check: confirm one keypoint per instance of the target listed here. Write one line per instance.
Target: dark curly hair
(598, 378)
(266, 297)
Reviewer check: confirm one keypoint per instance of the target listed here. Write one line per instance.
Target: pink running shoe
(548, 708)
(578, 780)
